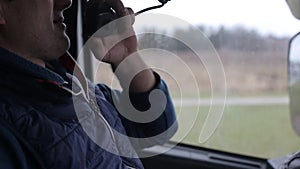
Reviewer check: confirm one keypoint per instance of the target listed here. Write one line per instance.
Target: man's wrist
(134, 74)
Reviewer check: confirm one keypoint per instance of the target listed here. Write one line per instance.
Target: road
(234, 101)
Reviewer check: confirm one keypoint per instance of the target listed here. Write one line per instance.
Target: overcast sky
(267, 16)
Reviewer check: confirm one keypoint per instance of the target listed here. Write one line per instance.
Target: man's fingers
(130, 12)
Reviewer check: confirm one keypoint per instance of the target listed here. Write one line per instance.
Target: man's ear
(2, 18)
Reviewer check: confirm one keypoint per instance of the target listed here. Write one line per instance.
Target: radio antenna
(163, 2)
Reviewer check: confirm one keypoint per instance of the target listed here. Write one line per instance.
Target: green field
(261, 131)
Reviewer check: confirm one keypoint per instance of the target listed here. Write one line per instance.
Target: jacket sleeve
(157, 131)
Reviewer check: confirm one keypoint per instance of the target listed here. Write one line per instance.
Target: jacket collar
(18, 64)
(65, 64)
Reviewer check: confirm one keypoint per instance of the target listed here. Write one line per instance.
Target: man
(49, 117)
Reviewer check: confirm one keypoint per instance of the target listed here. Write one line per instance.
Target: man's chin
(64, 47)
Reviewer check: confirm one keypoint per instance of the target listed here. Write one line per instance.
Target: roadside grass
(260, 131)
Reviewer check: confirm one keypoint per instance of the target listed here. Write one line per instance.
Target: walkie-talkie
(97, 14)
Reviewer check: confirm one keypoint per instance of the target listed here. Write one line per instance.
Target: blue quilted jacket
(45, 124)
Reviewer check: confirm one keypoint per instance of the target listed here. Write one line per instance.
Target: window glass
(224, 58)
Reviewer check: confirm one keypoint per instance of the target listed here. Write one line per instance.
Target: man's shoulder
(12, 152)
(8, 147)
(12, 108)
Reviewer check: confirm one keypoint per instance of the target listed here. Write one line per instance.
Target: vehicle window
(224, 58)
